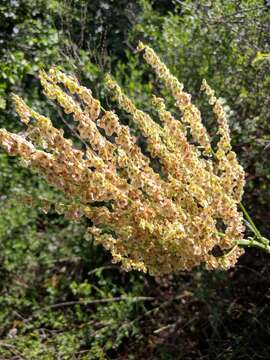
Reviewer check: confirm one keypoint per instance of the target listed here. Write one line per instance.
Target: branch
(100, 301)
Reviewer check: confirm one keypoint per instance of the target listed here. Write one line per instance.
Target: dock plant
(184, 213)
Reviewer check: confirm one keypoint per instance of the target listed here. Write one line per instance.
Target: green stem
(253, 226)
(102, 108)
(254, 243)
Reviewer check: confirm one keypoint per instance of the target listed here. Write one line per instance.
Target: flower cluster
(174, 218)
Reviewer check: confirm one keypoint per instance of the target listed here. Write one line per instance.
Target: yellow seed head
(160, 221)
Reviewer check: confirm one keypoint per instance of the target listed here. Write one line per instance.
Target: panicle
(232, 173)
(191, 114)
(157, 219)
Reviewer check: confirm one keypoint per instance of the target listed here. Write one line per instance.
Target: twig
(100, 301)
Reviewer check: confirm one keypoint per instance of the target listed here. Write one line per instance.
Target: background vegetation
(60, 296)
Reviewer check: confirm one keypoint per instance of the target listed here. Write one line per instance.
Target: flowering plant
(157, 221)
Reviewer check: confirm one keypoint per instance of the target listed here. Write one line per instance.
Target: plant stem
(254, 243)
(253, 226)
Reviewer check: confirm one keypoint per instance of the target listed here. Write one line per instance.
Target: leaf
(2, 103)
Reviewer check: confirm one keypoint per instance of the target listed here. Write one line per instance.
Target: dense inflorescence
(160, 221)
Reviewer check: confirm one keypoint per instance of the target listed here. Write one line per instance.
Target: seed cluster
(160, 221)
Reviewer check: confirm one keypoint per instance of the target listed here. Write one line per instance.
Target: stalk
(254, 243)
(258, 241)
